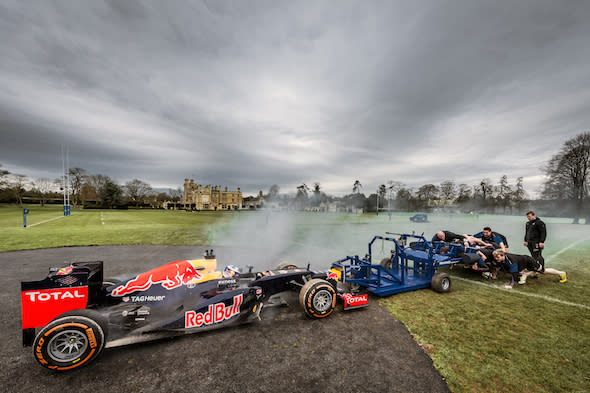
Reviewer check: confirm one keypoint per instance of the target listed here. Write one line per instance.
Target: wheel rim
(322, 301)
(446, 283)
(67, 345)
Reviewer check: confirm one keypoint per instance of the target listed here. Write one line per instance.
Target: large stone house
(198, 197)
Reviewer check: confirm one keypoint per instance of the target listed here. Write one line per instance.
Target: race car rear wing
(64, 289)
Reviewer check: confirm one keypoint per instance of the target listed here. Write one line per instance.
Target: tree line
(88, 190)
(395, 195)
(565, 192)
(568, 177)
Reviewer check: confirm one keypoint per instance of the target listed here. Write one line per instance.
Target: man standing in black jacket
(534, 237)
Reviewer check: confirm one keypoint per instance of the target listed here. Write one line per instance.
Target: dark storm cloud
(254, 93)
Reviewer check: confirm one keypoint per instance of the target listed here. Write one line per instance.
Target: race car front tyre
(441, 282)
(70, 341)
(318, 298)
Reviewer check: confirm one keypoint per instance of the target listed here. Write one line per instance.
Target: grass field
(102, 227)
(481, 337)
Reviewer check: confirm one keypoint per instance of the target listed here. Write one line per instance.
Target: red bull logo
(170, 276)
(216, 313)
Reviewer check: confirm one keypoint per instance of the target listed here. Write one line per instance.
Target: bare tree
(97, 182)
(17, 185)
(427, 193)
(393, 188)
(317, 194)
(43, 187)
(137, 190)
(568, 174)
(159, 199)
(175, 194)
(356, 187)
(464, 193)
(77, 179)
(405, 198)
(381, 192)
(3, 177)
(504, 192)
(88, 192)
(302, 189)
(316, 188)
(485, 188)
(273, 191)
(448, 190)
(519, 194)
(301, 198)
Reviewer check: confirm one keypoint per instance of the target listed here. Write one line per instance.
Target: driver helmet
(231, 271)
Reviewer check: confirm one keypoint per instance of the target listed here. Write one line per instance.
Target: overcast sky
(251, 93)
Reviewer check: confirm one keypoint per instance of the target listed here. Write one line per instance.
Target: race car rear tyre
(318, 298)
(70, 341)
(286, 266)
(441, 282)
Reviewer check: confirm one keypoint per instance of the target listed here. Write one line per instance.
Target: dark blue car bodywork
(419, 218)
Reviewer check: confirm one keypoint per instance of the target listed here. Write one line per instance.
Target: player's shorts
(534, 265)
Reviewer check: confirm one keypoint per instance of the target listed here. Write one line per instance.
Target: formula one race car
(73, 314)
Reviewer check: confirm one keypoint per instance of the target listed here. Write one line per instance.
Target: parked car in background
(419, 218)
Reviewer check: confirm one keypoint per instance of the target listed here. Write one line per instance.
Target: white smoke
(265, 238)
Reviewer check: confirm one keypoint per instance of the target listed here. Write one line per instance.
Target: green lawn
(103, 227)
(481, 337)
(484, 339)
